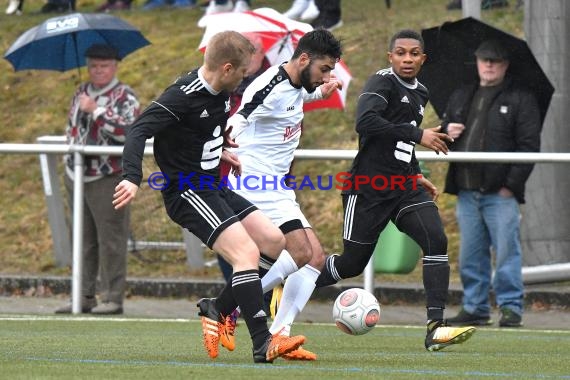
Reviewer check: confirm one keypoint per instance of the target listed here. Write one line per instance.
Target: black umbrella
(451, 61)
(59, 43)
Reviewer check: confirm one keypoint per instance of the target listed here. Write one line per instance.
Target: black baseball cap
(102, 51)
(492, 49)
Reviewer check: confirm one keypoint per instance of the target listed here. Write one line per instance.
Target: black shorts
(206, 213)
(365, 218)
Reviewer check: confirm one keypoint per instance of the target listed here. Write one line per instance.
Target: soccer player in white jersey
(267, 128)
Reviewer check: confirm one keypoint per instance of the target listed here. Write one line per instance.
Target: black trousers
(328, 8)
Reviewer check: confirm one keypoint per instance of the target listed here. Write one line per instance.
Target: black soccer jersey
(388, 118)
(187, 121)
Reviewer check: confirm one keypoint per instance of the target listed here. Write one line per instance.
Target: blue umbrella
(59, 43)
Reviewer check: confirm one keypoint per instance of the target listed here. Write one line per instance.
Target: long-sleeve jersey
(267, 126)
(188, 122)
(388, 118)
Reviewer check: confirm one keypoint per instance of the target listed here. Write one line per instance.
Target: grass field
(89, 348)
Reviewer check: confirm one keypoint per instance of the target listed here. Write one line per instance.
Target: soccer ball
(356, 311)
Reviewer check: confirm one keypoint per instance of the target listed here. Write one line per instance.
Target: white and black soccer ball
(356, 311)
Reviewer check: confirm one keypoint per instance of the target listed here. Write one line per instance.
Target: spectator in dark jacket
(58, 6)
(494, 116)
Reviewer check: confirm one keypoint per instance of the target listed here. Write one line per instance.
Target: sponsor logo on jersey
(422, 109)
(204, 114)
(228, 106)
(405, 99)
(291, 108)
(291, 132)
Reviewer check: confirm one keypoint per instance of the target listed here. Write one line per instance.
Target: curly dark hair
(319, 43)
(406, 33)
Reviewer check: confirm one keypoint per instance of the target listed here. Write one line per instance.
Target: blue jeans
(485, 221)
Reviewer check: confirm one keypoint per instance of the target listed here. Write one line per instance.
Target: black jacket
(513, 125)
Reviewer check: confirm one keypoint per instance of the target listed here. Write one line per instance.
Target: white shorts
(279, 204)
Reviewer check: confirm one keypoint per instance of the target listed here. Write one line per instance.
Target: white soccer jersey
(267, 126)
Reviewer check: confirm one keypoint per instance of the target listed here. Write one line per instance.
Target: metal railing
(49, 146)
(59, 225)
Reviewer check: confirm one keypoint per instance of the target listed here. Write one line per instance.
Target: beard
(306, 79)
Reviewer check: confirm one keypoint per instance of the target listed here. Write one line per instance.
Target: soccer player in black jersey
(390, 187)
(188, 123)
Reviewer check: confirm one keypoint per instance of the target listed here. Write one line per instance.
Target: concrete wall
(545, 228)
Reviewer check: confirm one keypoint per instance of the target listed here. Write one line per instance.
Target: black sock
(326, 278)
(425, 227)
(436, 284)
(225, 302)
(433, 324)
(246, 287)
(265, 262)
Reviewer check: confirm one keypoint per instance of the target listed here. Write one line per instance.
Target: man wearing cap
(101, 111)
(494, 115)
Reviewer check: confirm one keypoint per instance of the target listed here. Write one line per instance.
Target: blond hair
(228, 47)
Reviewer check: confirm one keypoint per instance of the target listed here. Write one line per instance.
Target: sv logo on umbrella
(62, 24)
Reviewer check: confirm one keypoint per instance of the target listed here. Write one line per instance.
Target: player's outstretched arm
(125, 192)
(433, 139)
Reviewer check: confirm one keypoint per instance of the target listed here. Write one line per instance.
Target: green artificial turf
(84, 348)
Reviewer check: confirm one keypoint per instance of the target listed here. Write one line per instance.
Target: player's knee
(301, 255)
(277, 241)
(273, 243)
(442, 243)
(318, 259)
(438, 243)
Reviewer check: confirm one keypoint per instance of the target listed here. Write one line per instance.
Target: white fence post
(77, 267)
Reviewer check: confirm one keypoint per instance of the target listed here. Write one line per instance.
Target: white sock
(283, 267)
(296, 293)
